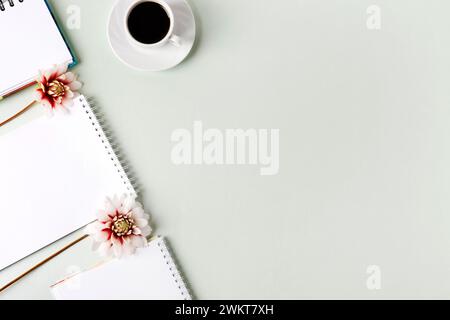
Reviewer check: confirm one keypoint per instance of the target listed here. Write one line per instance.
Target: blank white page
(151, 274)
(55, 173)
(31, 41)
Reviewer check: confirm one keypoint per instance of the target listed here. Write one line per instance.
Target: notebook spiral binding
(180, 281)
(11, 3)
(109, 141)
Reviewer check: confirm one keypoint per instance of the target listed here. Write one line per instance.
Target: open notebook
(31, 41)
(55, 173)
(151, 274)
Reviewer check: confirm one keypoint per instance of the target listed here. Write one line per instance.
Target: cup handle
(175, 40)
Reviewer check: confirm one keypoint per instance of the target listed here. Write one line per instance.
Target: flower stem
(28, 107)
(40, 264)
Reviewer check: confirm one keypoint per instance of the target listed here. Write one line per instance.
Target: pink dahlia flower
(57, 88)
(121, 228)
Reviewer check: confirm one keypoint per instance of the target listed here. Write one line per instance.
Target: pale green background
(364, 177)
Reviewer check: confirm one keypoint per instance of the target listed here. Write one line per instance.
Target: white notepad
(54, 175)
(31, 41)
(151, 274)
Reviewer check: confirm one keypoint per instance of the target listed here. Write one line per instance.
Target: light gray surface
(365, 148)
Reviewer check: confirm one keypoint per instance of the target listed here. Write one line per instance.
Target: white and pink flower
(57, 88)
(121, 228)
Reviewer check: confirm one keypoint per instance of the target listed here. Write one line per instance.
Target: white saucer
(157, 59)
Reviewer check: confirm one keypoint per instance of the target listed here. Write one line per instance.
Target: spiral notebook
(151, 274)
(55, 173)
(31, 41)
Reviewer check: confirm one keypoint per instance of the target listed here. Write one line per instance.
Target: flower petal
(75, 85)
(69, 94)
(61, 69)
(67, 77)
(128, 248)
(46, 103)
(39, 95)
(91, 228)
(141, 222)
(105, 249)
(41, 77)
(138, 241)
(67, 102)
(101, 236)
(137, 231)
(138, 212)
(127, 204)
(102, 216)
(51, 73)
(118, 250)
(116, 202)
(109, 206)
(146, 231)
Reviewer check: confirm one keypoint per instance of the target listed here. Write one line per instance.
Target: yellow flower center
(56, 89)
(122, 226)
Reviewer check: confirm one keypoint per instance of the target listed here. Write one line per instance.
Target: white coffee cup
(169, 37)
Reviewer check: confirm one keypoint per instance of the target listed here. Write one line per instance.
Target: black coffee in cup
(148, 22)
